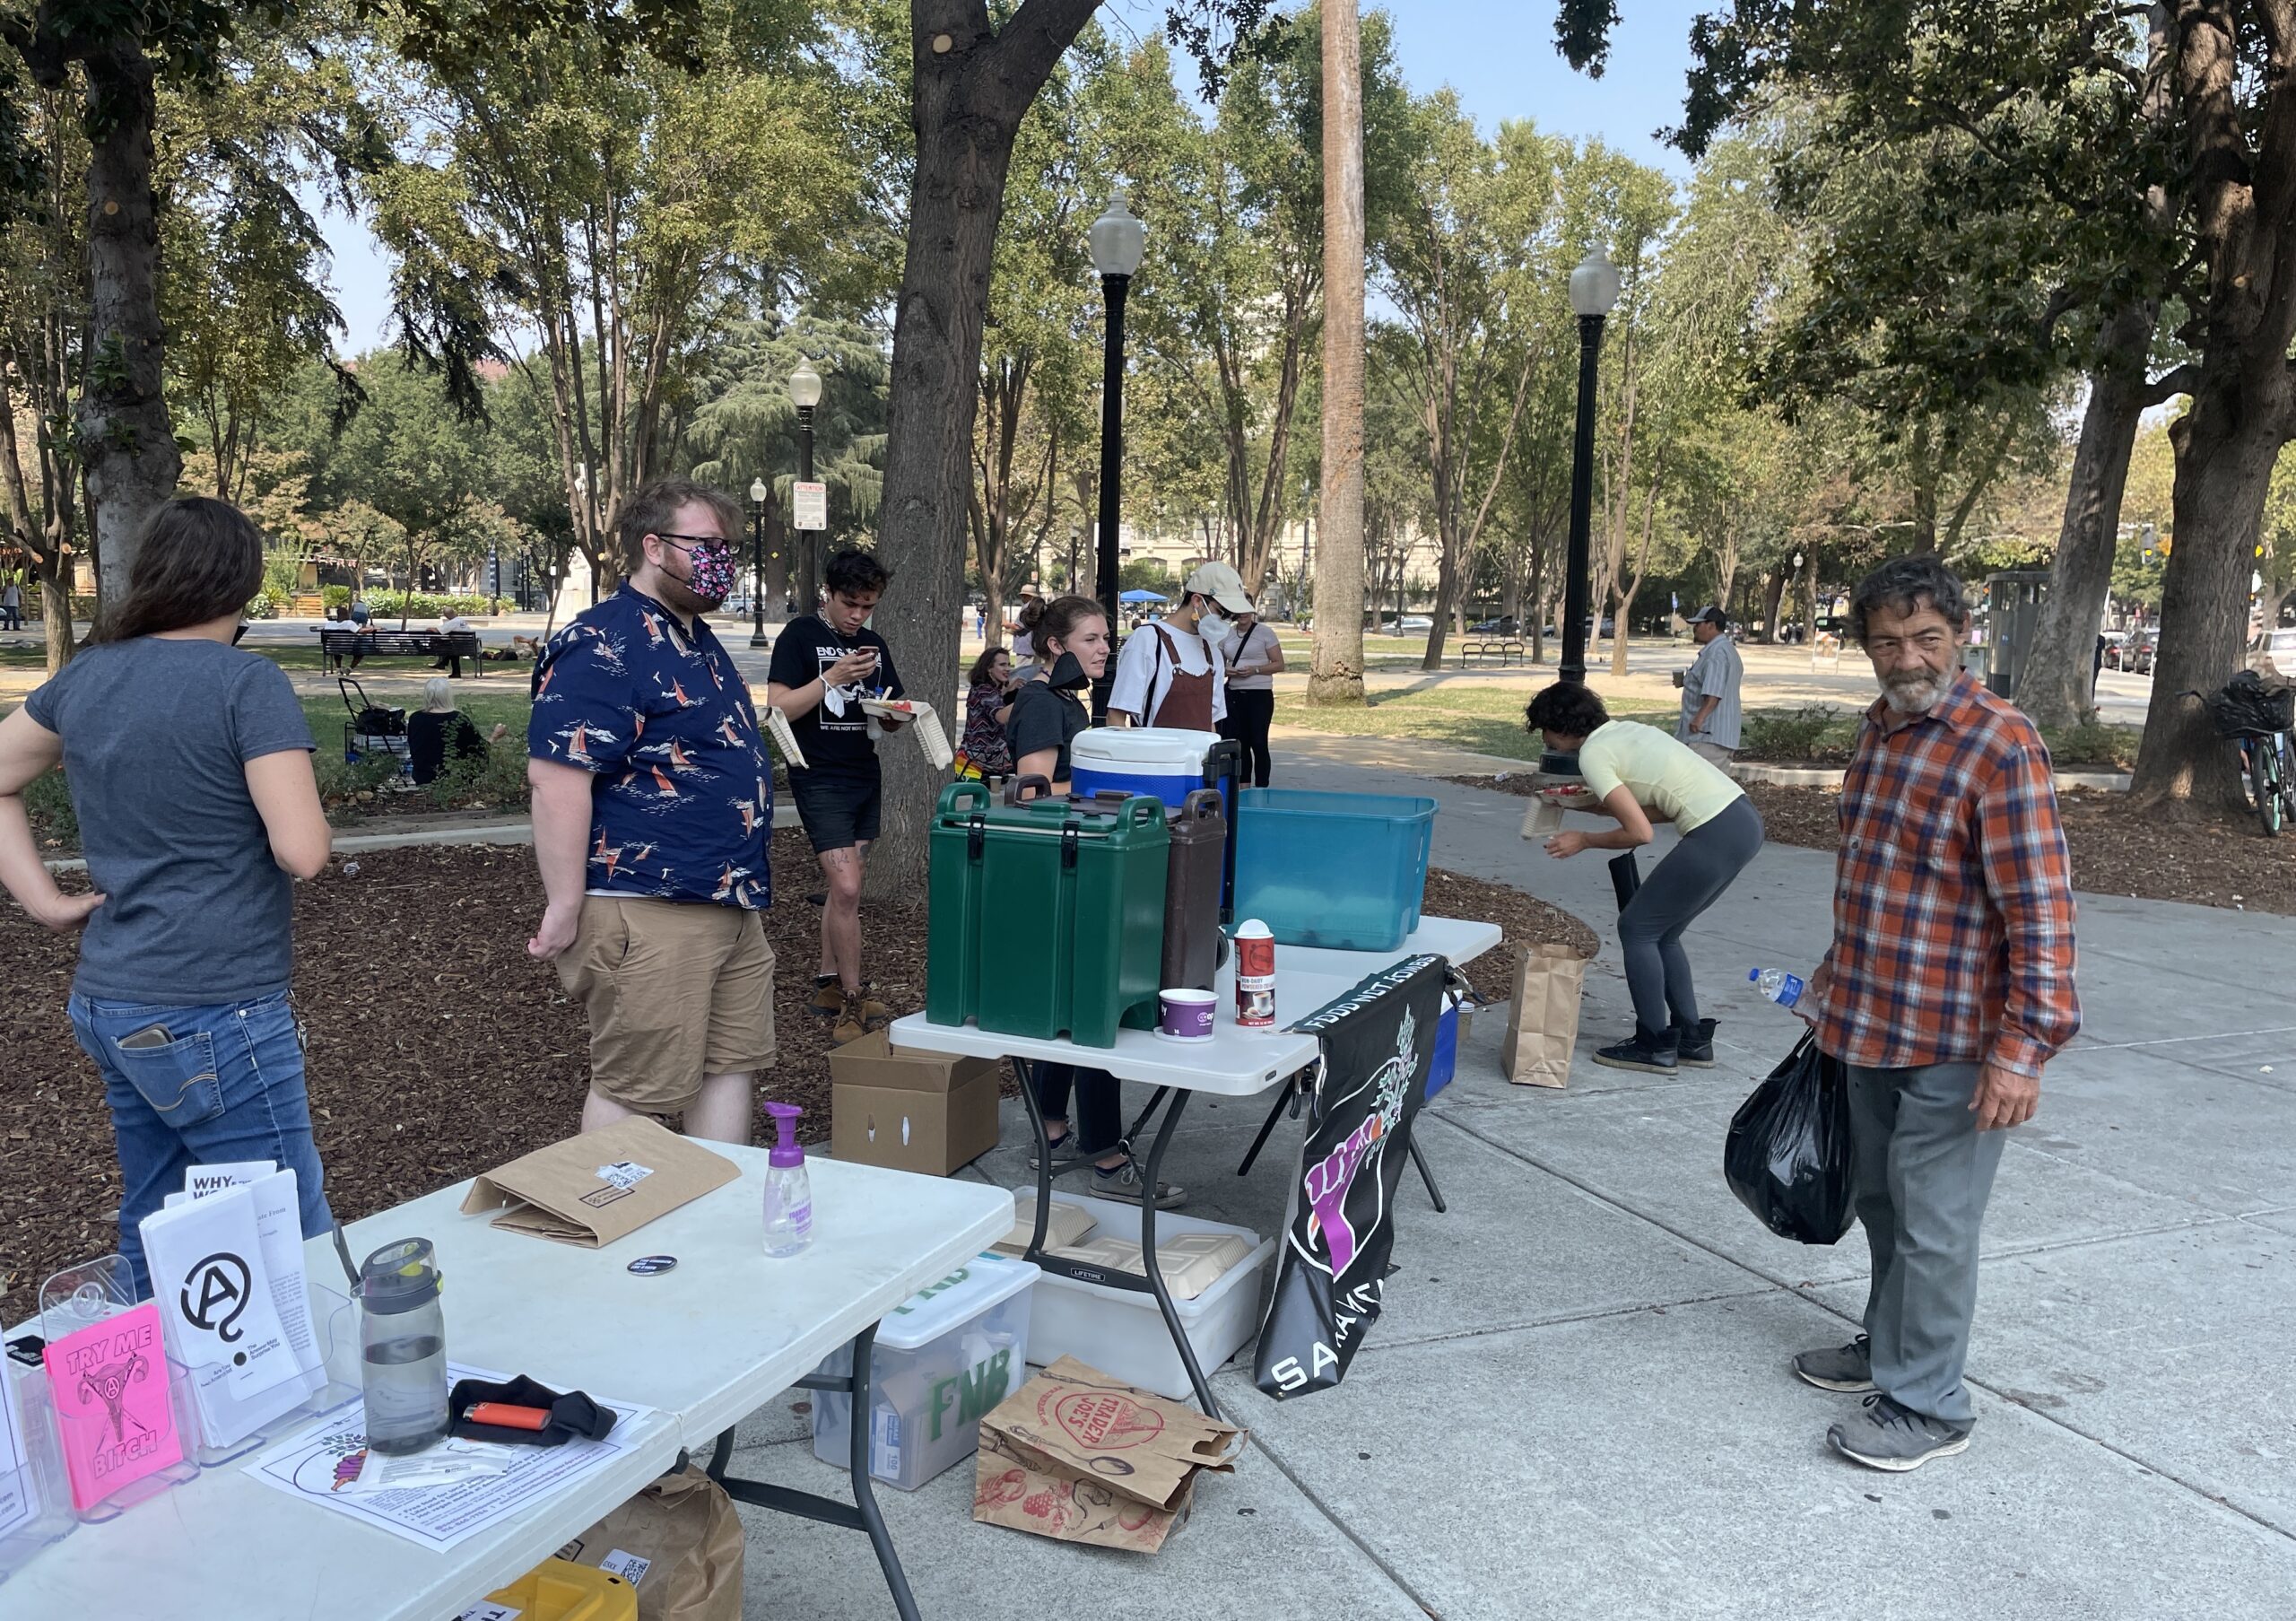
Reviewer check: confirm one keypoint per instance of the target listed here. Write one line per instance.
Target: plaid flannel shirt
(1952, 911)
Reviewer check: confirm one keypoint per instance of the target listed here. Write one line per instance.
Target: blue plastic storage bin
(1345, 872)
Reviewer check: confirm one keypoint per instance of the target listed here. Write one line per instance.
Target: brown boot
(851, 1024)
(828, 1000)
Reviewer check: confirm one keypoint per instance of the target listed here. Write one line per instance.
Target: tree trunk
(2225, 447)
(129, 443)
(971, 89)
(1337, 677)
(1921, 472)
(1773, 593)
(1625, 608)
(2057, 686)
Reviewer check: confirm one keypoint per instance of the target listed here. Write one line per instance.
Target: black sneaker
(1652, 1051)
(1888, 1436)
(1694, 1044)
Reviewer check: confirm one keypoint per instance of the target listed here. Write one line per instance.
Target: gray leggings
(1690, 879)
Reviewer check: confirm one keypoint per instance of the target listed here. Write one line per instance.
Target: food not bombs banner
(1378, 1041)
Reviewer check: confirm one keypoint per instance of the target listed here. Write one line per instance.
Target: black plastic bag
(1787, 1156)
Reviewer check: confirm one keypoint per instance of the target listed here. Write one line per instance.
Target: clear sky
(1499, 55)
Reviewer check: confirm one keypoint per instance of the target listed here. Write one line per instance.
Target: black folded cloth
(572, 1414)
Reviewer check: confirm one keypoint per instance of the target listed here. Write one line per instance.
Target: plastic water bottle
(789, 1194)
(1781, 987)
(403, 1347)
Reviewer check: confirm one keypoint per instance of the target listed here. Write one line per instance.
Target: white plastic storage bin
(1160, 760)
(942, 1359)
(1120, 1331)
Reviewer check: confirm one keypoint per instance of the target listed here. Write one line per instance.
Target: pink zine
(109, 1384)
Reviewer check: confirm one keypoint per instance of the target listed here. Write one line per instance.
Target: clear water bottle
(789, 1194)
(403, 1347)
(1775, 983)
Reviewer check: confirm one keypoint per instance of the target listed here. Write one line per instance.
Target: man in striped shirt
(1948, 986)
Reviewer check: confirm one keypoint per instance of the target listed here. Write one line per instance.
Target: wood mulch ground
(2117, 850)
(438, 1049)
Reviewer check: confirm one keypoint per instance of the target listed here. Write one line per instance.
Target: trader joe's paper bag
(1074, 1456)
(603, 1185)
(1543, 1021)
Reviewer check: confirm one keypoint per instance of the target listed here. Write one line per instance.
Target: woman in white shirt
(1253, 657)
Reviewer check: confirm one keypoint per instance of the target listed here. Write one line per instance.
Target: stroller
(371, 730)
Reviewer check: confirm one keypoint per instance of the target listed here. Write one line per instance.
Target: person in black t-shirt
(442, 730)
(823, 666)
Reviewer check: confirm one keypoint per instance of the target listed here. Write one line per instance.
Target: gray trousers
(1690, 879)
(1923, 1173)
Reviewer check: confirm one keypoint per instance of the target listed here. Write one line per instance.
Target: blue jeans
(228, 1086)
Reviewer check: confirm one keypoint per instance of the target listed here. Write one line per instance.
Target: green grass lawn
(1481, 719)
(1829, 736)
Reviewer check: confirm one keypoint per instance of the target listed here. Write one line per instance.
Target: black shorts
(839, 811)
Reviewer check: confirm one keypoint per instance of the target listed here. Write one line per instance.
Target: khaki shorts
(675, 991)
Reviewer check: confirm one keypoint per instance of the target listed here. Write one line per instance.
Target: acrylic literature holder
(35, 1499)
(335, 1334)
(116, 1406)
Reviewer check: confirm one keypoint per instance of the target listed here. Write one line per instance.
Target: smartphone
(150, 1036)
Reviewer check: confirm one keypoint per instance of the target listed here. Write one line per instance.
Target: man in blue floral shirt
(653, 810)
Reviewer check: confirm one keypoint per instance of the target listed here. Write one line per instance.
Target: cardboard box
(918, 1111)
(875, 1061)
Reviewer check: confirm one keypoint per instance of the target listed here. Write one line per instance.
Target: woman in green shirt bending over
(1642, 775)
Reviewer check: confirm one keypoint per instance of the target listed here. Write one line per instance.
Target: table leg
(1288, 1097)
(1155, 1271)
(862, 1513)
(1419, 1158)
(1026, 1069)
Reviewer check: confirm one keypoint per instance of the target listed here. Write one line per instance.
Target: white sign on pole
(808, 505)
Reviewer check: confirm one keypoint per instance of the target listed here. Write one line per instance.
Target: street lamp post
(805, 393)
(758, 492)
(1594, 290)
(1119, 239)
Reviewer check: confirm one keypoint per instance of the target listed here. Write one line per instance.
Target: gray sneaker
(1125, 1183)
(1065, 1156)
(1849, 1367)
(1888, 1436)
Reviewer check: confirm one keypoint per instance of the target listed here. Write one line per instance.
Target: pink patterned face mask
(713, 565)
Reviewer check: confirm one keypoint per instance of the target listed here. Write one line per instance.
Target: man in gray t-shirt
(1709, 718)
(156, 746)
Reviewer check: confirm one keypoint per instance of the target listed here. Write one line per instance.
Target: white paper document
(322, 1465)
(215, 1299)
(19, 1498)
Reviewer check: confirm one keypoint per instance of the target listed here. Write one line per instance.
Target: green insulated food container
(1046, 917)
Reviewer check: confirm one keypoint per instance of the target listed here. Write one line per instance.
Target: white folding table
(1234, 1063)
(703, 1345)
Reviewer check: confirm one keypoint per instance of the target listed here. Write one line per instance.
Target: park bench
(1505, 649)
(337, 644)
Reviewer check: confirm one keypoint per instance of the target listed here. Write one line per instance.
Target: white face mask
(1212, 627)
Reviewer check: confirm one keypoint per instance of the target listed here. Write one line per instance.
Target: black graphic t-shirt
(834, 737)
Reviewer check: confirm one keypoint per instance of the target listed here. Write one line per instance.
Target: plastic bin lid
(1143, 746)
(981, 1284)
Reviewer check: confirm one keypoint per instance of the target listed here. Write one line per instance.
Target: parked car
(2280, 647)
(1412, 624)
(2133, 651)
(1507, 626)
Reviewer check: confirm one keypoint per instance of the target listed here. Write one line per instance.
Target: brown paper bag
(678, 1542)
(1542, 1020)
(603, 1185)
(1074, 1456)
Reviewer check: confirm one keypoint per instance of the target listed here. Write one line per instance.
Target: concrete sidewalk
(1577, 1402)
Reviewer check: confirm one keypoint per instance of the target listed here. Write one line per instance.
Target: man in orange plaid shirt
(1948, 986)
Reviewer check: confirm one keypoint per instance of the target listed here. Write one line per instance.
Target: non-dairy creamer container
(1255, 975)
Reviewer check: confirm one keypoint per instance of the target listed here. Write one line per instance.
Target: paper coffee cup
(1186, 1014)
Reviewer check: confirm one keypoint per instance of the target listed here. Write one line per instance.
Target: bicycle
(2258, 719)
